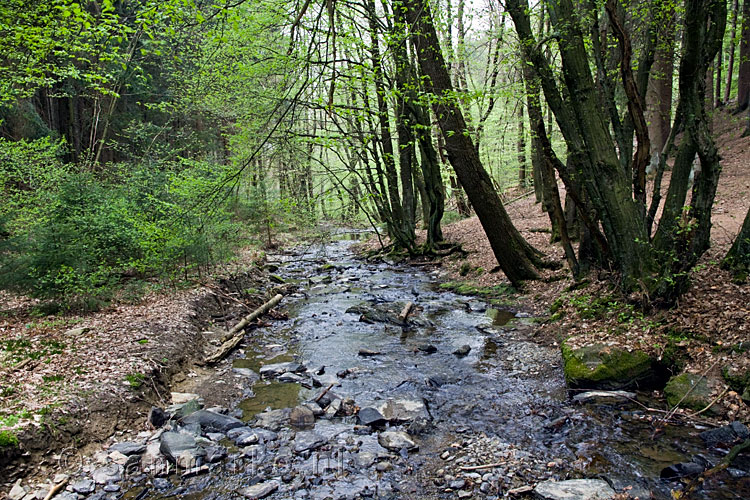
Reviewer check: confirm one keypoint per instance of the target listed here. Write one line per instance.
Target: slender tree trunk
(521, 148)
(731, 50)
(512, 252)
(659, 92)
(743, 74)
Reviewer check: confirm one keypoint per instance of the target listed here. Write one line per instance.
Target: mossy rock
(746, 395)
(737, 378)
(276, 279)
(698, 389)
(604, 367)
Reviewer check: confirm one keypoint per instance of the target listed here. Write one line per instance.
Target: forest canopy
(148, 139)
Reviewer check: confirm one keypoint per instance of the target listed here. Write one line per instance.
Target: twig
(711, 404)
(53, 491)
(320, 396)
(481, 467)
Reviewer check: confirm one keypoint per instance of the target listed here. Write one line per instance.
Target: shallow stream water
(505, 400)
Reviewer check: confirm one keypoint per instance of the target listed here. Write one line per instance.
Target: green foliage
(135, 380)
(75, 236)
(8, 438)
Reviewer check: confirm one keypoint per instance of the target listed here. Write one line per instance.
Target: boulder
(302, 417)
(403, 410)
(308, 441)
(396, 441)
(574, 489)
(128, 448)
(729, 434)
(278, 369)
(213, 422)
(605, 367)
(174, 443)
(370, 416)
(111, 473)
(689, 390)
(260, 490)
(273, 420)
(463, 350)
(684, 469)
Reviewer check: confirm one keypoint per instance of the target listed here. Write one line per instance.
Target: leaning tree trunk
(512, 252)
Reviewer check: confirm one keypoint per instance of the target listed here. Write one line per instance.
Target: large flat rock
(574, 489)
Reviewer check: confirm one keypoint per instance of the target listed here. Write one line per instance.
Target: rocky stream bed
(346, 399)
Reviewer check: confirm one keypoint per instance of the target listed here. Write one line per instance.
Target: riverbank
(705, 337)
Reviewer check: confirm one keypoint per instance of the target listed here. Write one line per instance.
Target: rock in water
(463, 350)
(260, 490)
(174, 443)
(302, 417)
(212, 421)
(307, 441)
(396, 441)
(368, 352)
(111, 473)
(427, 348)
(128, 448)
(574, 489)
(370, 416)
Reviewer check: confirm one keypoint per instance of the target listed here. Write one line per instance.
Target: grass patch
(8, 439)
(135, 380)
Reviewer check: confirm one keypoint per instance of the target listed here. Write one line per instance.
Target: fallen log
(406, 311)
(236, 334)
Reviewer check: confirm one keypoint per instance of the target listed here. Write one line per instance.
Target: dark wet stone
(84, 486)
(157, 417)
(161, 484)
(420, 426)
(463, 350)
(215, 454)
(212, 421)
(728, 434)
(128, 448)
(370, 416)
(685, 469)
(427, 348)
(291, 378)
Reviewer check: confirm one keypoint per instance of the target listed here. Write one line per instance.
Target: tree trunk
(737, 259)
(521, 148)
(731, 50)
(659, 91)
(743, 74)
(512, 252)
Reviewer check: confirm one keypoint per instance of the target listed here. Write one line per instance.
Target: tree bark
(737, 259)
(731, 50)
(512, 252)
(659, 92)
(743, 74)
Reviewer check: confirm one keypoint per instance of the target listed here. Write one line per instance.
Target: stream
(496, 419)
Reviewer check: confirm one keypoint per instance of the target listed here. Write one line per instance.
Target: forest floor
(709, 325)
